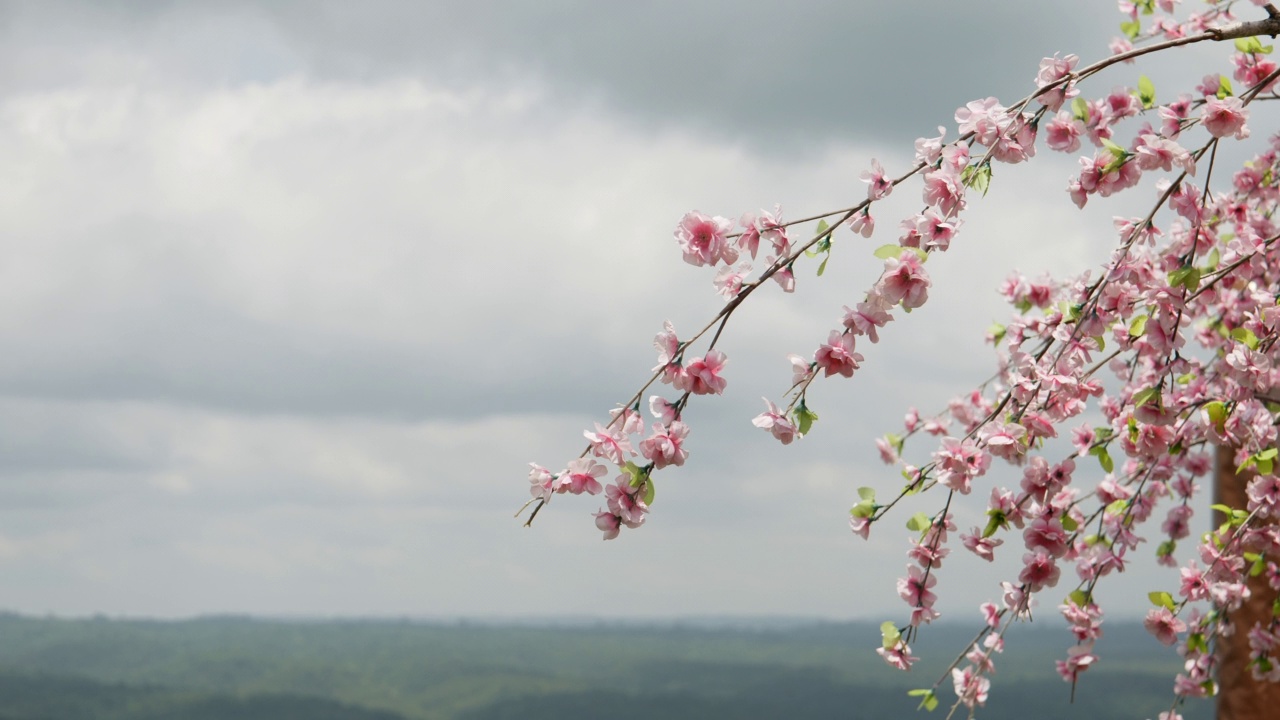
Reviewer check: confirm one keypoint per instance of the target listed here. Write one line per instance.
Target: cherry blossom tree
(1171, 346)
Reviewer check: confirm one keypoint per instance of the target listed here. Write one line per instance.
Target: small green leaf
(1147, 396)
(637, 473)
(1197, 643)
(1069, 524)
(867, 493)
(1188, 277)
(1252, 45)
(822, 267)
(996, 331)
(1080, 109)
(1116, 150)
(1146, 92)
(1246, 336)
(1139, 326)
(1131, 29)
(928, 699)
(919, 522)
(977, 177)
(1104, 459)
(864, 509)
(1102, 342)
(884, 252)
(1185, 378)
(804, 417)
(648, 492)
(1166, 548)
(823, 227)
(1217, 412)
(1079, 597)
(1224, 87)
(889, 635)
(1162, 599)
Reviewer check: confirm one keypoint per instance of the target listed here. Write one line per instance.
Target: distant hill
(246, 669)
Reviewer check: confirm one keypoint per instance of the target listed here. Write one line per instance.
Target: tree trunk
(1240, 697)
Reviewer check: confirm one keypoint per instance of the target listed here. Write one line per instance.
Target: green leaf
(1146, 6)
(1166, 548)
(1102, 342)
(1197, 643)
(1224, 87)
(1217, 412)
(1147, 396)
(1146, 92)
(919, 522)
(1080, 109)
(1188, 277)
(804, 417)
(637, 473)
(1215, 257)
(1139, 326)
(996, 331)
(1116, 150)
(822, 267)
(1104, 459)
(1162, 599)
(1069, 524)
(928, 699)
(977, 177)
(867, 493)
(889, 635)
(884, 252)
(823, 228)
(1246, 336)
(864, 509)
(1253, 45)
(648, 493)
(1131, 28)
(1079, 597)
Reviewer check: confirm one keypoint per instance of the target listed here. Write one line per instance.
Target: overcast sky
(291, 294)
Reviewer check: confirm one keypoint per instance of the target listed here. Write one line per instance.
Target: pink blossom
(959, 461)
(728, 281)
(1039, 571)
(661, 409)
(581, 477)
(914, 588)
(991, 614)
(970, 687)
(609, 444)
(541, 481)
(860, 526)
(863, 224)
(935, 231)
(879, 186)
(1079, 658)
(984, 118)
(1052, 70)
(775, 421)
(944, 190)
(667, 345)
(904, 280)
(666, 445)
(702, 375)
(1225, 117)
(1063, 132)
(980, 546)
(625, 502)
(784, 276)
(836, 356)
(703, 240)
(888, 455)
(1264, 496)
(1155, 152)
(866, 319)
(898, 656)
(929, 150)
(1162, 623)
(764, 226)
(609, 523)
(800, 369)
(1046, 533)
